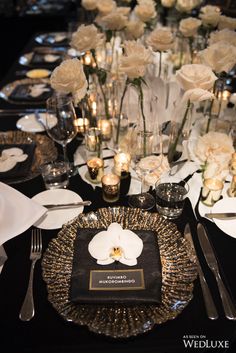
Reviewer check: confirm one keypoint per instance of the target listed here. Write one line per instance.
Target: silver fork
(27, 309)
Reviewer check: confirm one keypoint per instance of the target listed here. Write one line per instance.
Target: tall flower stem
(159, 74)
(100, 85)
(144, 120)
(173, 146)
(120, 110)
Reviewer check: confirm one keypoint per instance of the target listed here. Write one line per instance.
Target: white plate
(54, 219)
(29, 122)
(228, 226)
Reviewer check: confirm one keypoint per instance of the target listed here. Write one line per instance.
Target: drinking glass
(145, 163)
(61, 107)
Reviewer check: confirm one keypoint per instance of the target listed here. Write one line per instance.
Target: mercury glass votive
(110, 187)
(122, 163)
(106, 128)
(211, 191)
(95, 169)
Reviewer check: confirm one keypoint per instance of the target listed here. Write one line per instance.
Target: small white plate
(228, 226)
(54, 219)
(29, 123)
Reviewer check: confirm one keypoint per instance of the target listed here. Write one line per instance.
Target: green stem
(210, 116)
(100, 85)
(144, 121)
(173, 146)
(159, 74)
(120, 110)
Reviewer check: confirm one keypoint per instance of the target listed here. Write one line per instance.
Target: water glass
(55, 175)
(170, 198)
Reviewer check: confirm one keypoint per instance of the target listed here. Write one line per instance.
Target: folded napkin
(22, 166)
(83, 290)
(17, 212)
(24, 92)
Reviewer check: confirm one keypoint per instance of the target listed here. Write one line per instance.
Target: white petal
(131, 244)
(100, 246)
(105, 262)
(129, 262)
(14, 151)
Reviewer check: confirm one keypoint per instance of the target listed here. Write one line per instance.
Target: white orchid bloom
(116, 244)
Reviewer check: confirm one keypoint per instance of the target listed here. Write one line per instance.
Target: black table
(48, 332)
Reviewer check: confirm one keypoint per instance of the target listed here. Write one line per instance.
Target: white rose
(210, 15)
(197, 95)
(145, 11)
(227, 22)
(220, 56)
(134, 29)
(189, 26)
(123, 10)
(225, 35)
(89, 4)
(86, 38)
(187, 5)
(161, 39)
(114, 21)
(106, 6)
(69, 77)
(195, 76)
(167, 3)
(214, 146)
(136, 59)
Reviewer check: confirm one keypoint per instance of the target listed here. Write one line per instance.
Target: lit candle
(122, 163)
(106, 128)
(95, 169)
(111, 187)
(82, 124)
(87, 59)
(211, 191)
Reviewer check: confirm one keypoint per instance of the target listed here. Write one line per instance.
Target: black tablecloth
(48, 332)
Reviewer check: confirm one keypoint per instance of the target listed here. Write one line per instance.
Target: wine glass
(61, 121)
(146, 158)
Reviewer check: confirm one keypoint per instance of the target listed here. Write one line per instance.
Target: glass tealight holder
(122, 163)
(111, 187)
(93, 142)
(211, 191)
(105, 125)
(95, 169)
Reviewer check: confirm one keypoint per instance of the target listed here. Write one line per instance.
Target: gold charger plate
(45, 150)
(120, 320)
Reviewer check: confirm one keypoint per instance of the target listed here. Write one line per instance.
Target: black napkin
(83, 263)
(21, 169)
(22, 92)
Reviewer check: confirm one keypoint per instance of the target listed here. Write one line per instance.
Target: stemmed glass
(60, 109)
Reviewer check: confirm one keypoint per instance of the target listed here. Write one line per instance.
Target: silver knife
(225, 215)
(67, 205)
(209, 303)
(228, 305)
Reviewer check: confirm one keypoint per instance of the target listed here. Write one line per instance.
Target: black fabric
(22, 93)
(21, 169)
(83, 263)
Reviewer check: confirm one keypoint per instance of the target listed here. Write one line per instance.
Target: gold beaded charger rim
(45, 150)
(120, 320)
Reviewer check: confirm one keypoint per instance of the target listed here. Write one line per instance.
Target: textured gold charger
(178, 274)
